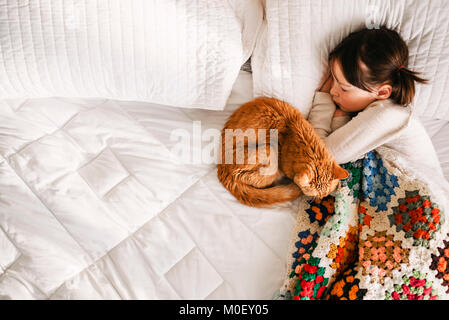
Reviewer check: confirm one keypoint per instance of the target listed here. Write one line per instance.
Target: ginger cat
(249, 165)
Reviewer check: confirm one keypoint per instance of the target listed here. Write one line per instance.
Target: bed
(92, 205)
(142, 228)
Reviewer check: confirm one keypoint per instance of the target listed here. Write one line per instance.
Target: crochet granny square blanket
(382, 235)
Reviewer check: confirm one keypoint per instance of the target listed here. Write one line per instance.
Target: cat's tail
(265, 197)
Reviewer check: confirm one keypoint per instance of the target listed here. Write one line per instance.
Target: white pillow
(174, 52)
(291, 56)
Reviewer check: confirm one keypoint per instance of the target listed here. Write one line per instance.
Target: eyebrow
(341, 84)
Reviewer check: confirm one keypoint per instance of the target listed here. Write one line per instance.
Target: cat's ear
(303, 178)
(340, 173)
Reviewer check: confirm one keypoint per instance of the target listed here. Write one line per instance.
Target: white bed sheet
(438, 131)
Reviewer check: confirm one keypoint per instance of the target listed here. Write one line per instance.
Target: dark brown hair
(385, 55)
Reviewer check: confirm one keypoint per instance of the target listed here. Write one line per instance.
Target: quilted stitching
(133, 215)
(37, 234)
(59, 141)
(104, 173)
(9, 252)
(189, 287)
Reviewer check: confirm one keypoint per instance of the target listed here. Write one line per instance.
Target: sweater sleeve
(374, 126)
(338, 122)
(321, 114)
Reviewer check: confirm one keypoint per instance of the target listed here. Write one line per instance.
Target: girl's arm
(340, 119)
(324, 116)
(321, 114)
(374, 126)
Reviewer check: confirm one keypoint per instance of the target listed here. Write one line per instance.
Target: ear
(303, 178)
(384, 92)
(340, 173)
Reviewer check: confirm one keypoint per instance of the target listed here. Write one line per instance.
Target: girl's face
(349, 98)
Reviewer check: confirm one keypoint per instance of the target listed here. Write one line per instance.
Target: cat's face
(319, 180)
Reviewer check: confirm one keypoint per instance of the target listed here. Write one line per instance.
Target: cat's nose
(323, 195)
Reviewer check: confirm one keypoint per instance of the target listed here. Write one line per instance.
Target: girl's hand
(340, 113)
(327, 84)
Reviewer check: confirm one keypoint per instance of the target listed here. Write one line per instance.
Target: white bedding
(291, 54)
(92, 208)
(438, 131)
(174, 52)
(91, 205)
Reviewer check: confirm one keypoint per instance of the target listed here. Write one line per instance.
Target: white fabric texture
(92, 207)
(178, 53)
(438, 131)
(291, 56)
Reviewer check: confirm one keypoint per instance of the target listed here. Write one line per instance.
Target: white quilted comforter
(91, 207)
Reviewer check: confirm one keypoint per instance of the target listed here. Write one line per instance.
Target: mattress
(92, 205)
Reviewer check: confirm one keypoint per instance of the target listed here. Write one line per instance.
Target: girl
(365, 101)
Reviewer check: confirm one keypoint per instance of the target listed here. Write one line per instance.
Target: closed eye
(339, 83)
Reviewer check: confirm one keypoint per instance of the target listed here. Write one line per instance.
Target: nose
(333, 91)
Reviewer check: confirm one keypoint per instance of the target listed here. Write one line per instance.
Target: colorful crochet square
(347, 287)
(321, 210)
(353, 182)
(300, 262)
(440, 264)
(311, 282)
(415, 287)
(304, 244)
(418, 217)
(377, 184)
(344, 253)
(364, 218)
(341, 211)
(380, 255)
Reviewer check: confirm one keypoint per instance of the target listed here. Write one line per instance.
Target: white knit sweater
(382, 123)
